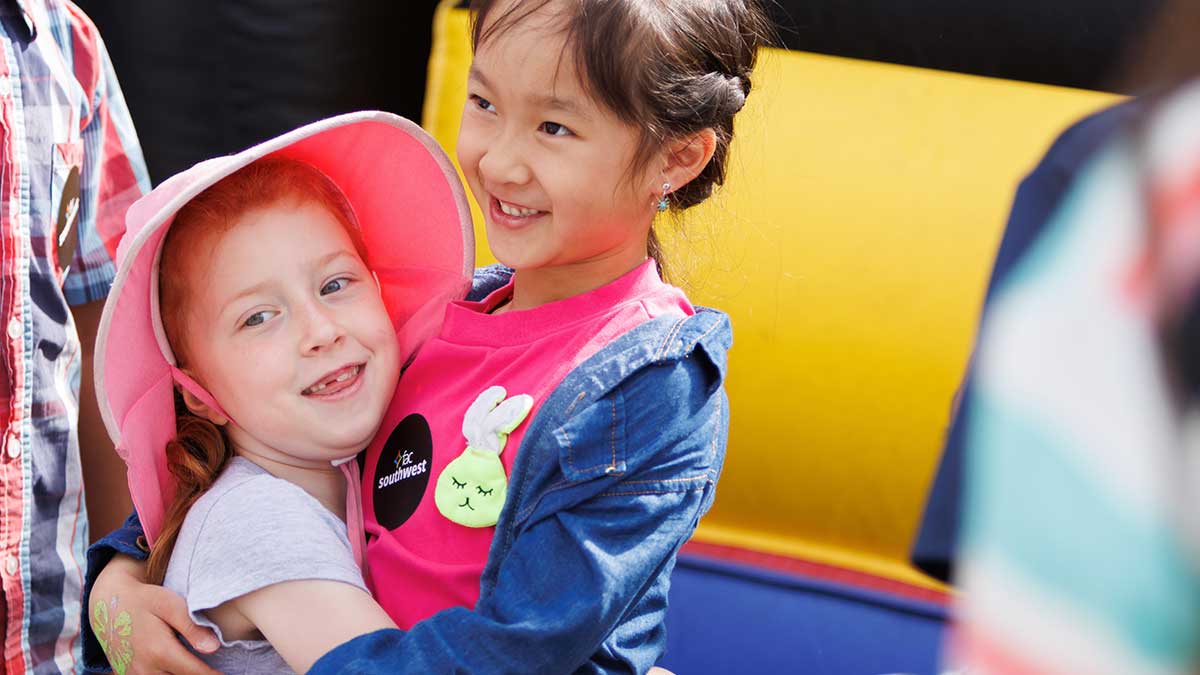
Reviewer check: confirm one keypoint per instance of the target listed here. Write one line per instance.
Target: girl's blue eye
(255, 319)
(482, 103)
(334, 285)
(555, 129)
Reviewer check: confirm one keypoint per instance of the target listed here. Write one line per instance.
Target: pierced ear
(686, 157)
(200, 408)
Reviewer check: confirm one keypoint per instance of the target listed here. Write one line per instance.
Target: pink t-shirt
(420, 562)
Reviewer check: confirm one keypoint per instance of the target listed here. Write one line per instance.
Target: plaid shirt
(70, 165)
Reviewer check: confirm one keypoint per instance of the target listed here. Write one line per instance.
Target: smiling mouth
(335, 382)
(467, 504)
(514, 211)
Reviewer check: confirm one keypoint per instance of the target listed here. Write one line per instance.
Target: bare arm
(103, 471)
(305, 619)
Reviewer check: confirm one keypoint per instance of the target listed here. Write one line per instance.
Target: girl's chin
(515, 255)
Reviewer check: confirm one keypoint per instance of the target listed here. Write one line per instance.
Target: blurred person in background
(70, 165)
(1081, 545)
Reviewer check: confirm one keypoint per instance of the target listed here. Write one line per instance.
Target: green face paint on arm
(113, 630)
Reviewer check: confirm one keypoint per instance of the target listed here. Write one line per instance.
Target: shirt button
(12, 565)
(15, 328)
(13, 446)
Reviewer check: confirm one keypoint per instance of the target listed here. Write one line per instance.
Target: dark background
(1074, 43)
(208, 77)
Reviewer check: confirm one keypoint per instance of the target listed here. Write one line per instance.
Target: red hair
(200, 449)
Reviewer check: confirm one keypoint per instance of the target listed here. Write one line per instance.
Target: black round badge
(402, 472)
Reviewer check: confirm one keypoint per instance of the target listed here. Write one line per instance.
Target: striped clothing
(1081, 551)
(70, 164)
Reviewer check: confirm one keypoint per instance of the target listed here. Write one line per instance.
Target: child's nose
(503, 162)
(321, 329)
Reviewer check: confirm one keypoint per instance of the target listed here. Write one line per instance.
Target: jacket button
(15, 328)
(13, 445)
(12, 565)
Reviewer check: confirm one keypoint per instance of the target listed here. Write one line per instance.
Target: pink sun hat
(415, 222)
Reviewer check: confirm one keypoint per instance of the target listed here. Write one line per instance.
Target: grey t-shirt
(249, 531)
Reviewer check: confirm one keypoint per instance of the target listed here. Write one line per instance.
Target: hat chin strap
(193, 387)
(354, 513)
(348, 465)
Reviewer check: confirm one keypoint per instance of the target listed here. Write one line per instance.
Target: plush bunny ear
(501, 421)
(474, 421)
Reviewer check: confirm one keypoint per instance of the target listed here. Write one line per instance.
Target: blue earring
(662, 202)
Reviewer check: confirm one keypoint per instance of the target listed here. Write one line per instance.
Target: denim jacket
(610, 480)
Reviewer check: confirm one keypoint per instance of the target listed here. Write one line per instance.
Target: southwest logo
(402, 473)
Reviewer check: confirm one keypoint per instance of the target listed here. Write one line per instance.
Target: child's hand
(135, 623)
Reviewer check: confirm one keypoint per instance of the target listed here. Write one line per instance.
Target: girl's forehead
(537, 64)
(544, 27)
(271, 244)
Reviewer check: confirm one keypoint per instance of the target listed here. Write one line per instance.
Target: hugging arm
(640, 466)
(129, 626)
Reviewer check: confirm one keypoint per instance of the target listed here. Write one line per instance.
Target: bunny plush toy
(471, 490)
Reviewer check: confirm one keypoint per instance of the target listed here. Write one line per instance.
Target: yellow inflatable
(851, 246)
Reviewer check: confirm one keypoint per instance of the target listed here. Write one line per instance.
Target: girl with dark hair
(546, 545)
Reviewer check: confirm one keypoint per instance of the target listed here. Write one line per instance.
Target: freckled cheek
(266, 370)
(383, 338)
(374, 332)
(372, 322)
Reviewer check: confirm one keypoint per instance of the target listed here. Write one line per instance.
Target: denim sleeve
(123, 540)
(488, 279)
(583, 557)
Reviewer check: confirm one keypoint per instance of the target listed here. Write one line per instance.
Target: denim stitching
(666, 343)
(662, 346)
(685, 479)
(613, 438)
(570, 449)
(707, 332)
(645, 492)
(571, 455)
(593, 467)
(712, 451)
